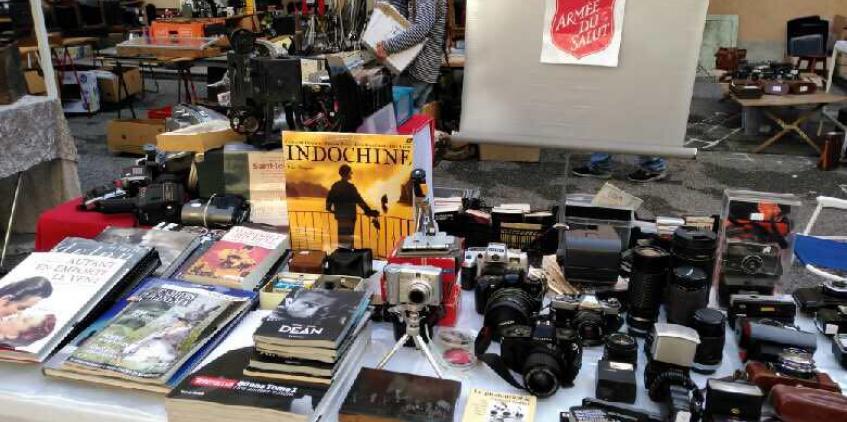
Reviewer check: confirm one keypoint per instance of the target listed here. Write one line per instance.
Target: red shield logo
(583, 27)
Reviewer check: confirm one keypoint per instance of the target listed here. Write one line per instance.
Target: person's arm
(361, 202)
(417, 33)
(330, 199)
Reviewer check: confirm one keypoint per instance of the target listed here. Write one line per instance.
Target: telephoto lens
(710, 325)
(694, 247)
(688, 291)
(622, 348)
(646, 286)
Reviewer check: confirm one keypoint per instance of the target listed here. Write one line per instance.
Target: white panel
(641, 106)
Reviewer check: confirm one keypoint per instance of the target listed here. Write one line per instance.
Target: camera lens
(419, 293)
(621, 347)
(646, 284)
(694, 247)
(688, 291)
(796, 363)
(590, 327)
(710, 325)
(508, 307)
(540, 373)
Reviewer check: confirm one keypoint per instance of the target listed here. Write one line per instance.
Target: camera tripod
(412, 315)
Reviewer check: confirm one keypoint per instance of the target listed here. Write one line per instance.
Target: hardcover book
(259, 177)
(48, 293)
(156, 329)
(173, 247)
(349, 190)
(485, 406)
(312, 318)
(386, 396)
(241, 259)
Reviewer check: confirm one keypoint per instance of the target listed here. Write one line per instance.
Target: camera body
(756, 307)
(593, 319)
(832, 321)
(217, 212)
(470, 267)
(764, 341)
(794, 367)
(753, 259)
(737, 400)
(498, 259)
(831, 294)
(546, 356)
(413, 285)
(488, 285)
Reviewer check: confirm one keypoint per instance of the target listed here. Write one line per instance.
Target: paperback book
(350, 190)
(312, 318)
(173, 247)
(485, 406)
(241, 259)
(46, 295)
(149, 336)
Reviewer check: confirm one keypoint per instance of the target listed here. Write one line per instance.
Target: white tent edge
(44, 53)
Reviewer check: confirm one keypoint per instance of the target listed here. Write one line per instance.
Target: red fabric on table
(66, 220)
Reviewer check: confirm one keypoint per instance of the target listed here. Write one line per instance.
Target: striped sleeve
(417, 33)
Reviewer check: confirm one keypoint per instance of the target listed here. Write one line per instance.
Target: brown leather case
(777, 88)
(746, 89)
(729, 58)
(307, 261)
(797, 404)
(803, 88)
(765, 378)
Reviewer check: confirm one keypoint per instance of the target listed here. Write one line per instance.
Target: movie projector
(420, 279)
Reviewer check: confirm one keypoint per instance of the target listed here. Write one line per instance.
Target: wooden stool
(812, 64)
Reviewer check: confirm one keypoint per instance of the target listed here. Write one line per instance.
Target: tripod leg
(394, 350)
(425, 348)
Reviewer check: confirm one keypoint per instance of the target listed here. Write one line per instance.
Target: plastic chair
(822, 255)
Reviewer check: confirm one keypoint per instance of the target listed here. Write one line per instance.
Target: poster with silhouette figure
(348, 190)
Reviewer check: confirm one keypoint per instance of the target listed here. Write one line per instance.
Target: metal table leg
(11, 221)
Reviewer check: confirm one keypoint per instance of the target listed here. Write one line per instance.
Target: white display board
(642, 106)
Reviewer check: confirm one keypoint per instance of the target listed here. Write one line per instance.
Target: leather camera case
(763, 376)
(307, 261)
(796, 404)
(355, 262)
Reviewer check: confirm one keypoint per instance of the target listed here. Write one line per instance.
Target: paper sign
(585, 32)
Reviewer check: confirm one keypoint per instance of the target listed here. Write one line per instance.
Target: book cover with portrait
(351, 190)
(45, 296)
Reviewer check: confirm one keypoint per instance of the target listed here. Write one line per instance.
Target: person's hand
(380, 51)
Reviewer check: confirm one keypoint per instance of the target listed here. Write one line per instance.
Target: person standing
(599, 166)
(342, 200)
(429, 26)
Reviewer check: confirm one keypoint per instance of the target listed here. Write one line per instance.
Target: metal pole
(8, 235)
(44, 48)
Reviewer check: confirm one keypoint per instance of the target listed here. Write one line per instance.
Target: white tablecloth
(26, 395)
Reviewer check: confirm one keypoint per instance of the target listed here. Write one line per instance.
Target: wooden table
(769, 103)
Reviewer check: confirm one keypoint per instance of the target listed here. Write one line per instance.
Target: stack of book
(173, 247)
(309, 337)
(151, 339)
(241, 259)
(220, 391)
(51, 296)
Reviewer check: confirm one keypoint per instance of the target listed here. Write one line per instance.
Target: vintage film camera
(154, 203)
(753, 259)
(500, 267)
(794, 367)
(667, 377)
(470, 267)
(756, 307)
(737, 400)
(594, 410)
(546, 357)
(830, 294)
(217, 212)
(593, 319)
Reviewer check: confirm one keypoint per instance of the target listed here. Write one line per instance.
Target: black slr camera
(753, 259)
(488, 285)
(593, 319)
(547, 357)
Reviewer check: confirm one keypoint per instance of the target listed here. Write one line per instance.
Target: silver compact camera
(417, 285)
(498, 259)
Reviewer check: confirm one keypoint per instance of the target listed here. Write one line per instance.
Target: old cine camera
(413, 285)
(756, 307)
(794, 367)
(753, 259)
(593, 319)
(155, 203)
(830, 294)
(547, 357)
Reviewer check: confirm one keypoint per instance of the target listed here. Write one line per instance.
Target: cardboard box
(130, 135)
(108, 81)
(489, 152)
(35, 82)
(198, 138)
(385, 23)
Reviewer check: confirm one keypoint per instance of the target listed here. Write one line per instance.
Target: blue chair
(824, 256)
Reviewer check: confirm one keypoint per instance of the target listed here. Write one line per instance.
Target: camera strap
(494, 361)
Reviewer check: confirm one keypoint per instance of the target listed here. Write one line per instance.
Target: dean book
(313, 318)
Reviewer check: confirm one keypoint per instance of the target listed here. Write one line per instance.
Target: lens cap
(650, 259)
(690, 277)
(709, 322)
